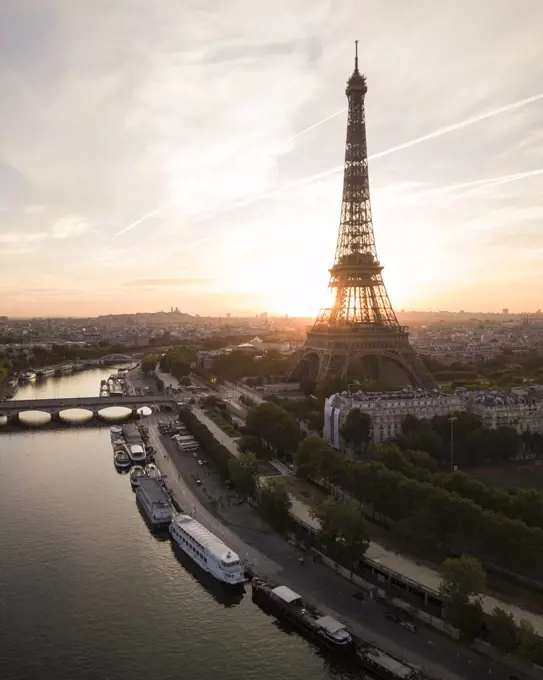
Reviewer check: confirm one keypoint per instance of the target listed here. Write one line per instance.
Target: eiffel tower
(359, 336)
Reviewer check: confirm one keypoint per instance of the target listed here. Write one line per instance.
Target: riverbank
(270, 555)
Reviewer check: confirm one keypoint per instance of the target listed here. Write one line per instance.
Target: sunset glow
(204, 167)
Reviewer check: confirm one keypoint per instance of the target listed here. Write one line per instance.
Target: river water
(87, 592)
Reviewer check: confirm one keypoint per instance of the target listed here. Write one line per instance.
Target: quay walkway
(240, 527)
(381, 556)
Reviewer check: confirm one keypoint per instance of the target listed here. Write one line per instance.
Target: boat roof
(154, 492)
(397, 668)
(329, 624)
(205, 538)
(286, 594)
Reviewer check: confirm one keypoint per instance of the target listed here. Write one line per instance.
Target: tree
(463, 577)
(177, 361)
(529, 643)
(343, 531)
(243, 473)
(276, 426)
(309, 457)
(356, 428)
(468, 617)
(250, 442)
(274, 502)
(502, 631)
(148, 363)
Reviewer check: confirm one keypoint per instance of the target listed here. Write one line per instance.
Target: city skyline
(153, 153)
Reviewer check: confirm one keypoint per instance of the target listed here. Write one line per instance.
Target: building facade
(523, 412)
(387, 411)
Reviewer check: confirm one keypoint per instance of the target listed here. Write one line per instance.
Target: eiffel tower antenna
(360, 330)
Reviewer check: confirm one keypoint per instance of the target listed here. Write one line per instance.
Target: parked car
(408, 626)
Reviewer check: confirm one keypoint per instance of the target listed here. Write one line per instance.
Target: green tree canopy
(250, 442)
(276, 426)
(356, 428)
(148, 363)
(502, 631)
(274, 502)
(463, 578)
(243, 473)
(343, 529)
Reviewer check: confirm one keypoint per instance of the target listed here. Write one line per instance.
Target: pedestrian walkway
(424, 576)
(438, 657)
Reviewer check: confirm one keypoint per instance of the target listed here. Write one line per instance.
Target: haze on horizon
(188, 154)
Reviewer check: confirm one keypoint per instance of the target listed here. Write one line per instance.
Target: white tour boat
(137, 453)
(154, 503)
(208, 551)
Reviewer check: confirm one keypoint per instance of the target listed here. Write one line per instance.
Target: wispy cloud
(211, 139)
(169, 282)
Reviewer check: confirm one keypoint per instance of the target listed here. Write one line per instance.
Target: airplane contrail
(239, 204)
(488, 181)
(143, 218)
(380, 154)
(316, 125)
(460, 125)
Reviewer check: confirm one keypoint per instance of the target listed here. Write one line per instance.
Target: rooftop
(329, 624)
(395, 667)
(286, 594)
(154, 492)
(205, 538)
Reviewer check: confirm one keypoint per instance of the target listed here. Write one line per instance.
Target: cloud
(206, 108)
(168, 282)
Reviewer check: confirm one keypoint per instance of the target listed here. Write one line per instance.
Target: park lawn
(511, 478)
(221, 422)
(307, 493)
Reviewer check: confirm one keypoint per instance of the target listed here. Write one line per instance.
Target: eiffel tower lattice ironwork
(361, 325)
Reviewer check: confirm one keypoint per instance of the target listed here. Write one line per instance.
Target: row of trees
(463, 582)
(5, 368)
(523, 504)
(505, 369)
(344, 536)
(424, 513)
(271, 497)
(42, 356)
(276, 427)
(309, 410)
(242, 363)
(474, 445)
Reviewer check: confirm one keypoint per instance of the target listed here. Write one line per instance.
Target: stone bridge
(94, 404)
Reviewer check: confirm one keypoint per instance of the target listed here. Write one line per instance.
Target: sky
(190, 153)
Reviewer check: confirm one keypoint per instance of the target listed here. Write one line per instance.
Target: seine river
(87, 592)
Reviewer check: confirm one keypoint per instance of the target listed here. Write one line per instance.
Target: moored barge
(286, 604)
(383, 665)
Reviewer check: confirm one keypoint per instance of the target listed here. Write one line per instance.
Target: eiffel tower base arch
(386, 357)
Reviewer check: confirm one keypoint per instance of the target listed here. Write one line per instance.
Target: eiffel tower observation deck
(359, 337)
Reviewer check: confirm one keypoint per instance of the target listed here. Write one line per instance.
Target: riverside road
(242, 529)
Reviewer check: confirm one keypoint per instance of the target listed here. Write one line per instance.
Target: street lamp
(451, 420)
